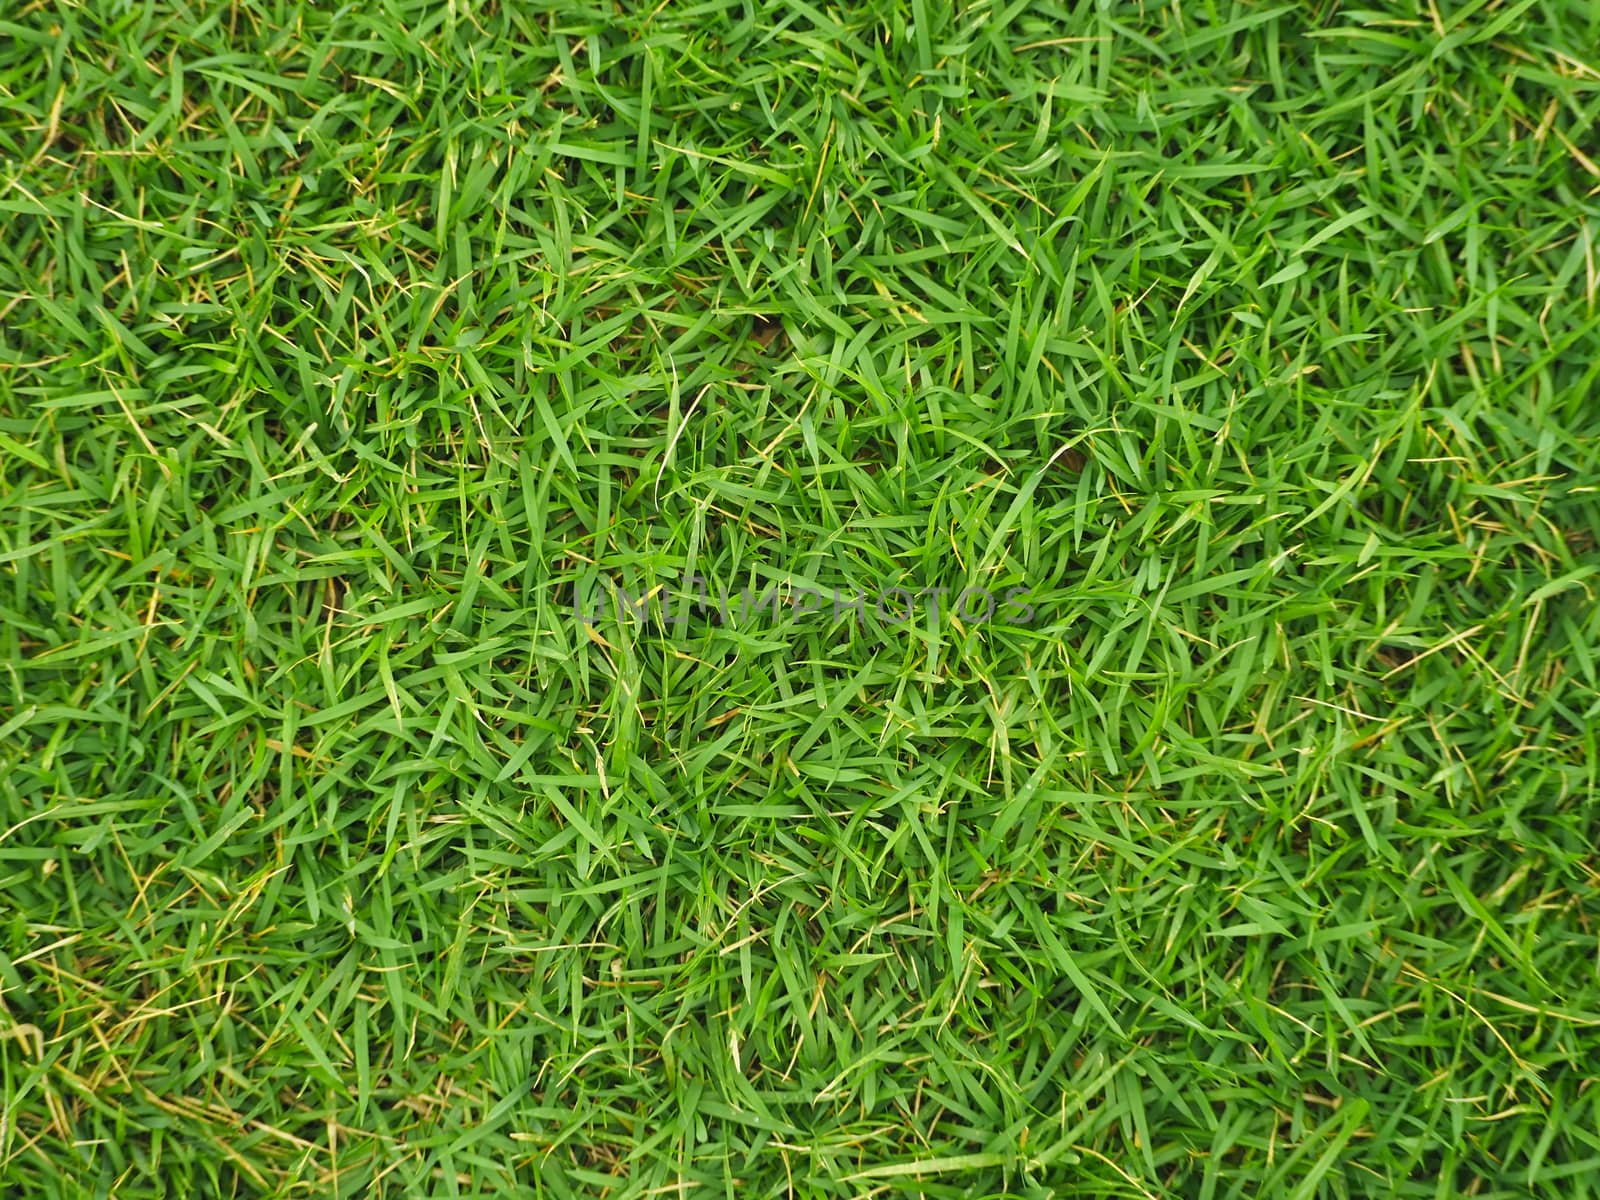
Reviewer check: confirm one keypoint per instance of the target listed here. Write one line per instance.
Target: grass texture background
(340, 350)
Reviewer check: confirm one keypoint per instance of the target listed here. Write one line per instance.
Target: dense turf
(350, 360)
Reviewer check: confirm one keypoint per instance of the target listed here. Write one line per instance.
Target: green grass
(342, 352)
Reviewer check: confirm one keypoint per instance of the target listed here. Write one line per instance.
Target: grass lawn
(800, 600)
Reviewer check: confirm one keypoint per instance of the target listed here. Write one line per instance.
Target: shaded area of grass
(340, 354)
